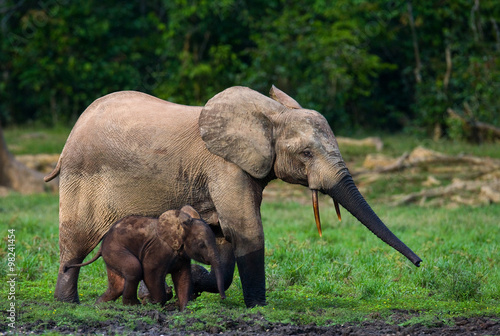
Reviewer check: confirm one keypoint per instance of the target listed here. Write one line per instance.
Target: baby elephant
(140, 248)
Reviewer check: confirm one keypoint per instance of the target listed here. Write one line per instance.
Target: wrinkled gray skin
(131, 153)
(141, 248)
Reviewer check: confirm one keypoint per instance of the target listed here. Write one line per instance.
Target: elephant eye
(307, 153)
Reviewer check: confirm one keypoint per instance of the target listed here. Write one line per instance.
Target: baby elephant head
(184, 231)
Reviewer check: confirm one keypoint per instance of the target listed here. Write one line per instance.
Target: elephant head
(185, 232)
(276, 137)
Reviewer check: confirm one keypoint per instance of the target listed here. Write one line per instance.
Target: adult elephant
(131, 153)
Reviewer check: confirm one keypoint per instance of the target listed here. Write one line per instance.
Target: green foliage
(317, 54)
(472, 38)
(59, 57)
(352, 61)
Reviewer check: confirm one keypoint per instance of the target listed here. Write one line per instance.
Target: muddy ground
(256, 324)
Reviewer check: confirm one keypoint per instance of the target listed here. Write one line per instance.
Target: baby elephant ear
(235, 124)
(171, 228)
(191, 211)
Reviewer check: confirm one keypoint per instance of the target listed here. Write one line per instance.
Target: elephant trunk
(219, 276)
(204, 281)
(348, 195)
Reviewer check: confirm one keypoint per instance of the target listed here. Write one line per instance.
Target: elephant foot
(253, 278)
(131, 301)
(66, 286)
(144, 294)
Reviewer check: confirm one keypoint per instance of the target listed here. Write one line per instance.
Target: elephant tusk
(337, 209)
(316, 210)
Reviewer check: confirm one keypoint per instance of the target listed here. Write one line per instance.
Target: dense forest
(364, 64)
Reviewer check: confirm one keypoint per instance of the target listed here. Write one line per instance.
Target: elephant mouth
(315, 203)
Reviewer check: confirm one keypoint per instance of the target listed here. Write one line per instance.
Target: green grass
(351, 266)
(348, 275)
(32, 140)
(345, 276)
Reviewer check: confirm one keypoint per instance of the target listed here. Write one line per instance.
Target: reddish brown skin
(134, 249)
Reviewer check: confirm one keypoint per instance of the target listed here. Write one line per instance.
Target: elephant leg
(156, 286)
(248, 246)
(238, 209)
(67, 282)
(133, 275)
(71, 252)
(183, 284)
(253, 278)
(116, 284)
(130, 292)
(203, 281)
(145, 296)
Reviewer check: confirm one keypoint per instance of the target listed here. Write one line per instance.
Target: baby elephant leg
(133, 275)
(183, 284)
(145, 296)
(156, 285)
(116, 284)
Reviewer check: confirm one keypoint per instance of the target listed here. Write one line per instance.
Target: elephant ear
(283, 98)
(235, 124)
(171, 228)
(191, 211)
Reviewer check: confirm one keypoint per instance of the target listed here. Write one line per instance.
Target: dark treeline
(386, 65)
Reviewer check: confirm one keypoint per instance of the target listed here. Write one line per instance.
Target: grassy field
(346, 276)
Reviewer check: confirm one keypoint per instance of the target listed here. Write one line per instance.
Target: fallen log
(367, 142)
(477, 131)
(479, 181)
(421, 157)
(487, 189)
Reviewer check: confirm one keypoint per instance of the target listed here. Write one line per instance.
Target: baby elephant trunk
(219, 276)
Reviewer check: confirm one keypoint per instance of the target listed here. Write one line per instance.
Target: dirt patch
(256, 324)
(43, 163)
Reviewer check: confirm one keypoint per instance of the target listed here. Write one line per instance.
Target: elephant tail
(55, 172)
(67, 267)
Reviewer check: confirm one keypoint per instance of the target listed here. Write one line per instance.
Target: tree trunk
(418, 64)
(476, 131)
(16, 176)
